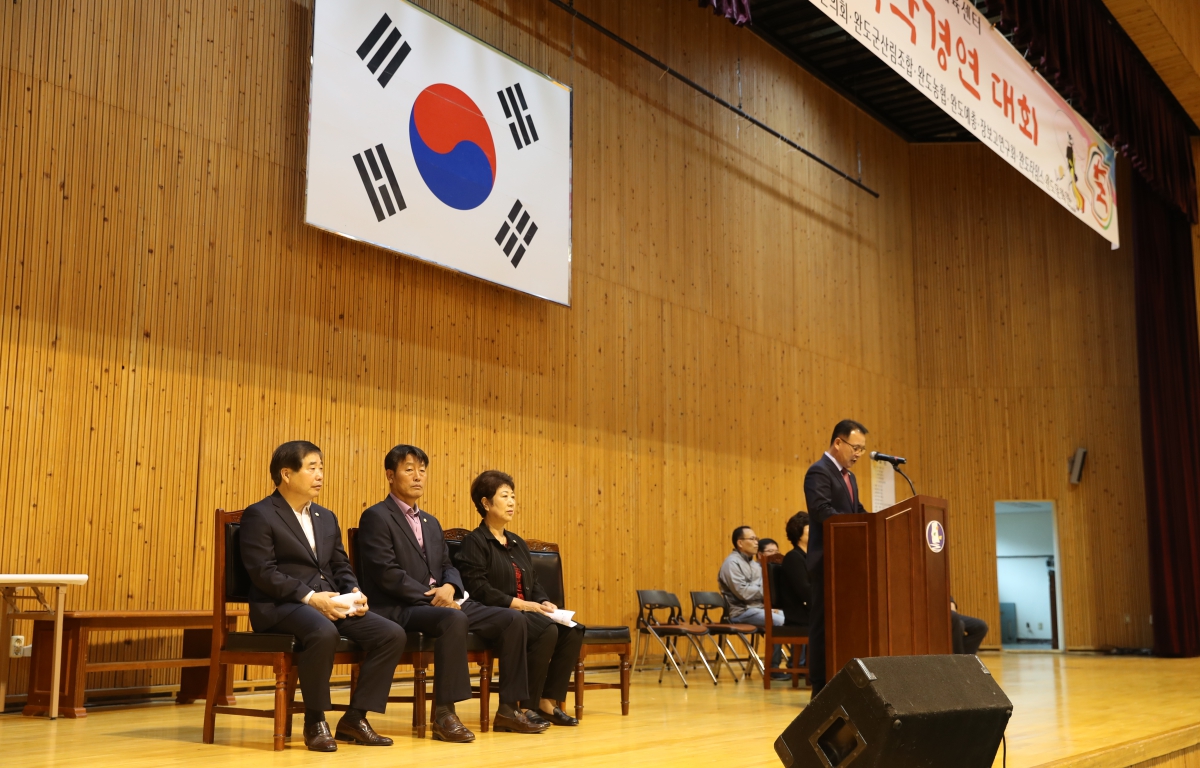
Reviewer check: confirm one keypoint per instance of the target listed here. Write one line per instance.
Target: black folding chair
(721, 630)
(667, 631)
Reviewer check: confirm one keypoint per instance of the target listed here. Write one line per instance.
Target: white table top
(42, 579)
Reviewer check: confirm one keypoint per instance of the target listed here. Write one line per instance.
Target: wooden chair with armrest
(476, 652)
(547, 563)
(231, 584)
(721, 630)
(787, 634)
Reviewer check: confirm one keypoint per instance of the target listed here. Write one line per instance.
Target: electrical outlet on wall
(17, 648)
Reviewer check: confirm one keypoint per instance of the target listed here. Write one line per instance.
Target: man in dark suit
(292, 549)
(830, 489)
(406, 567)
(967, 632)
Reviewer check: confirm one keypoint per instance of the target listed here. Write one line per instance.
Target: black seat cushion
(603, 635)
(270, 642)
(475, 642)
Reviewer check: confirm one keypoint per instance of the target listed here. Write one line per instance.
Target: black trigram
(382, 53)
(379, 168)
(521, 125)
(518, 224)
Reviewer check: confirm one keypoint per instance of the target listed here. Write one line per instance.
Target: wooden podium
(887, 583)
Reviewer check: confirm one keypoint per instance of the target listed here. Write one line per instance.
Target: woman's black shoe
(557, 717)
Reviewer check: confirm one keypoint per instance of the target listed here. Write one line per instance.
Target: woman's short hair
(764, 543)
(291, 455)
(486, 485)
(795, 527)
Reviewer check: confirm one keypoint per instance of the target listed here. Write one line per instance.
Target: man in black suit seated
(794, 590)
(405, 564)
(292, 549)
(830, 489)
(967, 631)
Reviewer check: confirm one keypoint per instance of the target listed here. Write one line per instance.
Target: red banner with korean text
(947, 49)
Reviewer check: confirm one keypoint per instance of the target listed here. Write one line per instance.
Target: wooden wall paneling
(731, 301)
(1026, 353)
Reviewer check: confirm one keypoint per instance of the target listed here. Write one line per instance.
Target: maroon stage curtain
(1169, 380)
(737, 11)
(1081, 50)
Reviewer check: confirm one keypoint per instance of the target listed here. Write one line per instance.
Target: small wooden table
(10, 583)
(78, 625)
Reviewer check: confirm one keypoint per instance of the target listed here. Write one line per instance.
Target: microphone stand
(910, 484)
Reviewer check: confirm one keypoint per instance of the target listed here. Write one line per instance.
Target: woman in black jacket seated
(497, 569)
(794, 591)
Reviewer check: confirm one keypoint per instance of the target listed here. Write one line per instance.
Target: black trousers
(553, 650)
(816, 630)
(967, 632)
(502, 628)
(382, 640)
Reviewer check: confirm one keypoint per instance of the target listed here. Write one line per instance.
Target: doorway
(1027, 574)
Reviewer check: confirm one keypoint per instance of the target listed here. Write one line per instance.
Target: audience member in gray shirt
(741, 581)
(741, 584)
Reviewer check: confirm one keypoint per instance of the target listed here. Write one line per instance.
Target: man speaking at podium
(830, 489)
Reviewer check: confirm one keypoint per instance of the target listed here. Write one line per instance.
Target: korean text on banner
(425, 141)
(947, 49)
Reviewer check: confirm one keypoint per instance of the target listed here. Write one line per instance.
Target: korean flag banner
(425, 141)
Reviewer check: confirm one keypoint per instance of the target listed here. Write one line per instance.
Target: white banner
(425, 141)
(947, 49)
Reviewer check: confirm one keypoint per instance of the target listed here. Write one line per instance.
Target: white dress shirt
(304, 517)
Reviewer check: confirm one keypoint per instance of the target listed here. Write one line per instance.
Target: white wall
(1025, 580)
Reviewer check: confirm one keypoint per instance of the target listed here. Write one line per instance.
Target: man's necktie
(849, 488)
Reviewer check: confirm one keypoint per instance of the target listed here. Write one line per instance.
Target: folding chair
(785, 635)
(667, 632)
(721, 630)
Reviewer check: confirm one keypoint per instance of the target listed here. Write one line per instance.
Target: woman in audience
(793, 587)
(497, 569)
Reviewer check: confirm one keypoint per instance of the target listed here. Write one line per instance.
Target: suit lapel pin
(316, 514)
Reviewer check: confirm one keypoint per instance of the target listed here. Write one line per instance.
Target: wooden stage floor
(1080, 711)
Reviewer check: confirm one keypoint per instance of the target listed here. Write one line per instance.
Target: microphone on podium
(895, 461)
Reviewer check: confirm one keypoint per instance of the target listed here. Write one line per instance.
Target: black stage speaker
(901, 712)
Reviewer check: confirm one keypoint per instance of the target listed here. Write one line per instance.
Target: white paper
(463, 599)
(883, 485)
(350, 600)
(562, 616)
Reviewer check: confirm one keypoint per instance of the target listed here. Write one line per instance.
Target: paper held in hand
(562, 616)
(350, 600)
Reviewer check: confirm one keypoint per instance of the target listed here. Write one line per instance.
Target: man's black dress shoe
(519, 722)
(449, 728)
(557, 717)
(360, 731)
(318, 738)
